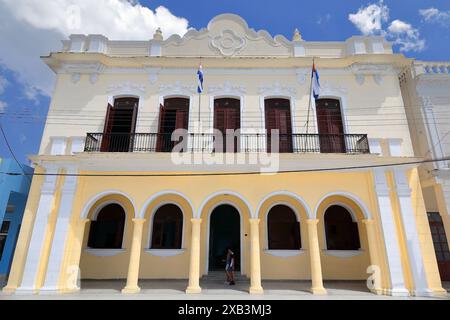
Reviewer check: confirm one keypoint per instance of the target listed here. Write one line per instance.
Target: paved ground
(212, 290)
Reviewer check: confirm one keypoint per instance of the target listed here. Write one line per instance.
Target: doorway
(227, 116)
(224, 232)
(330, 125)
(120, 125)
(440, 244)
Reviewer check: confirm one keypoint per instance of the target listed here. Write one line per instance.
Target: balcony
(246, 143)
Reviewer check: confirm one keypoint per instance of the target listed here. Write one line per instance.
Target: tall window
(120, 125)
(227, 116)
(278, 117)
(340, 230)
(330, 125)
(283, 229)
(173, 115)
(107, 231)
(167, 228)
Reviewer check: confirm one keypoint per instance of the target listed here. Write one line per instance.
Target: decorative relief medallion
(228, 43)
(75, 78)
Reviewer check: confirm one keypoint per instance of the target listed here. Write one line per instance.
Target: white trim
(284, 253)
(343, 253)
(118, 93)
(104, 252)
(362, 206)
(223, 193)
(342, 98)
(283, 193)
(208, 226)
(162, 193)
(266, 236)
(354, 220)
(94, 218)
(165, 252)
(225, 95)
(94, 199)
(150, 225)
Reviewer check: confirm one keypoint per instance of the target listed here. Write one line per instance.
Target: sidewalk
(215, 290)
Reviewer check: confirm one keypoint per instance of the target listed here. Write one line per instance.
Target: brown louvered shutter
(109, 122)
(161, 132)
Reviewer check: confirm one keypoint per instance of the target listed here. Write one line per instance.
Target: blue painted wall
(13, 192)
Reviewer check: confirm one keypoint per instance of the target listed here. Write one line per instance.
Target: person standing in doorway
(229, 268)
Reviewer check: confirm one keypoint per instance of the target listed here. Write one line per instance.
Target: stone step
(221, 276)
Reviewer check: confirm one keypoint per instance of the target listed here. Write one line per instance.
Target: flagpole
(310, 94)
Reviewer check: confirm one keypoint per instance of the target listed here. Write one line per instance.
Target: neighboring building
(130, 209)
(426, 91)
(13, 197)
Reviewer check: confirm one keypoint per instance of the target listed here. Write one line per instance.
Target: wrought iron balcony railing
(247, 143)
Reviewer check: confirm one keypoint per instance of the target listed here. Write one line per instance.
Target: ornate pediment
(227, 35)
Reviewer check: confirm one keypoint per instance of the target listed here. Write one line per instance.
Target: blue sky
(28, 31)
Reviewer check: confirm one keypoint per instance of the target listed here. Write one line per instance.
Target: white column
(436, 145)
(411, 234)
(61, 231)
(390, 236)
(38, 233)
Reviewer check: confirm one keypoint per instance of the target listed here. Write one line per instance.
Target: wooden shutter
(161, 135)
(109, 122)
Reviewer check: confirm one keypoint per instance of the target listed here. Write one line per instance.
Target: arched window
(106, 232)
(340, 230)
(167, 228)
(283, 229)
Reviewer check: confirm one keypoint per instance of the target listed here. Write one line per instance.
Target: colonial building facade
(426, 90)
(339, 199)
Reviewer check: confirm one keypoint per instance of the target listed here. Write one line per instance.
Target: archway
(224, 232)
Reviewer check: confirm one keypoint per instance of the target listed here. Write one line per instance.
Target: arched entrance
(224, 231)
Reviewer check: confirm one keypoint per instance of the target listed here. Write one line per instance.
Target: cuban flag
(200, 79)
(315, 82)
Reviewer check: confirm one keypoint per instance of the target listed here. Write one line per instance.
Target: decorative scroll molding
(277, 90)
(126, 87)
(176, 88)
(228, 43)
(93, 78)
(302, 75)
(227, 89)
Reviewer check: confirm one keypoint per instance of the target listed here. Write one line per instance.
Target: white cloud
(433, 15)
(30, 29)
(369, 20)
(372, 20)
(3, 106)
(323, 19)
(3, 84)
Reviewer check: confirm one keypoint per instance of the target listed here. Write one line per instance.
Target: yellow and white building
(426, 91)
(112, 203)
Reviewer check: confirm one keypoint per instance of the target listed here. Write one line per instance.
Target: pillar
(194, 264)
(135, 258)
(391, 241)
(71, 271)
(409, 222)
(314, 252)
(34, 254)
(255, 259)
(61, 233)
(371, 237)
